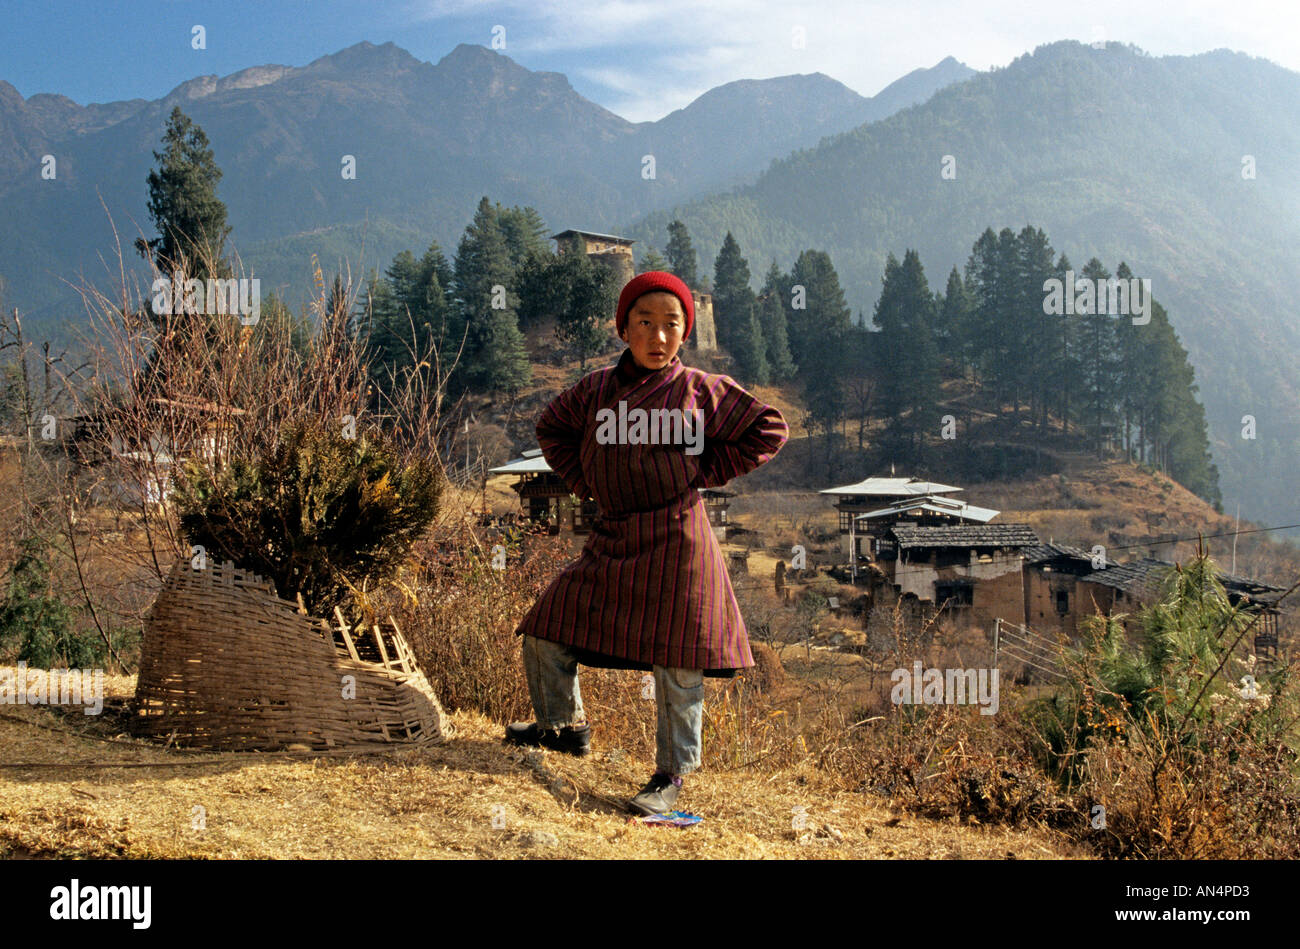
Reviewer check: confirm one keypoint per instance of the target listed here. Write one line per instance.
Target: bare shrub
(1185, 763)
(164, 390)
(1229, 797)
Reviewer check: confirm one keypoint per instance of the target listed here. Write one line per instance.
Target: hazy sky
(639, 59)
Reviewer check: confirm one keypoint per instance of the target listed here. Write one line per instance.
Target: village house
(1055, 596)
(1063, 584)
(615, 254)
(148, 450)
(869, 509)
(979, 574)
(544, 497)
(971, 572)
(1128, 587)
(874, 496)
(612, 252)
(716, 503)
(928, 554)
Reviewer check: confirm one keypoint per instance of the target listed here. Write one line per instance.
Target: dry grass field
(472, 797)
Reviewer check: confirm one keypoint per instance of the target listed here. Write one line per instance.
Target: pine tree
(1172, 426)
(819, 317)
(952, 324)
(1065, 367)
(772, 280)
(587, 297)
(772, 319)
(824, 394)
(891, 345)
(908, 365)
(524, 232)
(191, 221)
(653, 260)
(750, 346)
(183, 203)
(991, 275)
(925, 363)
(541, 297)
(392, 315)
(1031, 340)
(1134, 354)
(859, 379)
(731, 293)
(276, 318)
(736, 314)
(1100, 353)
(681, 255)
(494, 355)
(408, 307)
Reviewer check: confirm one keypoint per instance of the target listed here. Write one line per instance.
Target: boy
(651, 589)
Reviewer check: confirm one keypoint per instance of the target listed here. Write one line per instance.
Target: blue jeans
(552, 673)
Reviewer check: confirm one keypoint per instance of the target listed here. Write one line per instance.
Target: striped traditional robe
(651, 585)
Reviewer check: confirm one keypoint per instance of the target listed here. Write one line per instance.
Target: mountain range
(428, 141)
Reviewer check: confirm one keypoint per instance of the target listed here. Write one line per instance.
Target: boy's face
(655, 324)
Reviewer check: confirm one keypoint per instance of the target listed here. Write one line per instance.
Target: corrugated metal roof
(532, 462)
(936, 505)
(966, 535)
(892, 487)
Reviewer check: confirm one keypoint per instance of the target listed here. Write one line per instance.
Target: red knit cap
(649, 282)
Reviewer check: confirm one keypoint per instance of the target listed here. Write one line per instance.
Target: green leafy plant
(318, 513)
(34, 615)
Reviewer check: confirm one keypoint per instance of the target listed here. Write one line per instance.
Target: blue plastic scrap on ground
(672, 819)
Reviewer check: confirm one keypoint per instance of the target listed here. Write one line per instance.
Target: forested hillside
(1184, 168)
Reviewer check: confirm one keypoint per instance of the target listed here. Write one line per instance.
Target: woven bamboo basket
(226, 664)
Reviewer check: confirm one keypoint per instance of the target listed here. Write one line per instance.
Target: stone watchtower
(615, 253)
(704, 336)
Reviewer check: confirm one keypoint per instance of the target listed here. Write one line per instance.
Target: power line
(1179, 540)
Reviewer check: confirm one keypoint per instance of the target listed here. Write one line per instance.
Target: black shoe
(657, 797)
(572, 740)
